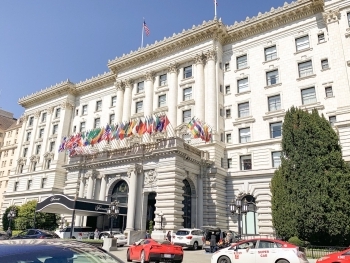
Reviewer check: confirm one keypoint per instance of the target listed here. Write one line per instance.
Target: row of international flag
(137, 127)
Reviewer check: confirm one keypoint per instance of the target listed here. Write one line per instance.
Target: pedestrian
(9, 232)
(213, 242)
(168, 236)
(96, 234)
(147, 235)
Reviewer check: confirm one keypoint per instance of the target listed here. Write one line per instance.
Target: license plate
(167, 255)
(179, 237)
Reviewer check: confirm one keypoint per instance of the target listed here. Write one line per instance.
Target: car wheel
(224, 259)
(195, 245)
(143, 257)
(282, 261)
(128, 256)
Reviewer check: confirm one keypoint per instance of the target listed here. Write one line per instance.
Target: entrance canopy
(62, 204)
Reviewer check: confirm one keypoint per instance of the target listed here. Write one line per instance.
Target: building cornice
(98, 81)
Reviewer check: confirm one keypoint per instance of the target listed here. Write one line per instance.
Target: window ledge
(326, 98)
(325, 69)
(274, 85)
(139, 96)
(267, 61)
(187, 81)
(319, 43)
(42, 124)
(228, 118)
(228, 94)
(137, 115)
(307, 77)
(228, 70)
(39, 140)
(316, 105)
(162, 89)
(240, 69)
(304, 50)
(161, 109)
(162, 86)
(53, 136)
(55, 121)
(274, 114)
(242, 93)
(186, 102)
(248, 119)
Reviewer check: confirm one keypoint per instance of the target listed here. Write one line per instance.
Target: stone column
(102, 196)
(172, 99)
(211, 109)
(78, 219)
(200, 199)
(120, 101)
(132, 174)
(200, 88)
(91, 177)
(127, 100)
(148, 102)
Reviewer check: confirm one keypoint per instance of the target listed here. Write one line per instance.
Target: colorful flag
(145, 27)
(142, 127)
(166, 122)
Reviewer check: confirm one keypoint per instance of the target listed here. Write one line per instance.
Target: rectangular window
(332, 120)
(220, 88)
(302, 43)
(244, 135)
(242, 62)
(305, 69)
(275, 130)
(58, 113)
(229, 163)
(324, 64)
(85, 108)
(41, 133)
(15, 187)
(221, 137)
(270, 53)
(48, 163)
(276, 159)
(43, 182)
(38, 148)
(227, 66)
(34, 166)
(76, 112)
(243, 109)
(139, 107)
(272, 77)
(111, 119)
(308, 96)
(188, 72)
(274, 102)
(43, 117)
(348, 15)
(140, 87)
(74, 128)
(97, 123)
(55, 129)
(221, 113)
(113, 101)
(242, 85)
(82, 126)
(161, 100)
(227, 90)
(321, 38)
(28, 136)
(228, 138)
(52, 146)
(29, 184)
(228, 113)
(31, 121)
(329, 92)
(187, 93)
(163, 80)
(99, 105)
(186, 116)
(246, 162)
(25, 152)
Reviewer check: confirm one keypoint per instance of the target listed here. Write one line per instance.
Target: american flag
(145, 27)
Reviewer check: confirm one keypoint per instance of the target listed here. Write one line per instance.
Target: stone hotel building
(239, 79)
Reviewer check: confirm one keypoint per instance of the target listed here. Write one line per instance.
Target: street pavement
(190, 256)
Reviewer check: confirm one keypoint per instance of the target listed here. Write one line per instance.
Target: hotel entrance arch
(120, 193)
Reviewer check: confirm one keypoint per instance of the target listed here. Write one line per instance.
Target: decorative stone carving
(173, 67)
(49, 155)
(134, 169)
(211, 55)
(21, 161)
(23, 118)
(67, 105)
(50, 109)
(119, 85)
(34, 158)
(37, 114)
(331, 16)
(92, 174)
(150, 178)
(149, 76)
(199, 59)
(128, 83)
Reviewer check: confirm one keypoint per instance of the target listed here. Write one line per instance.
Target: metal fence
(320, 251)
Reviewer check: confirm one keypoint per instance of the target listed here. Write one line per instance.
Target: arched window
(120, 192)
(187, 204)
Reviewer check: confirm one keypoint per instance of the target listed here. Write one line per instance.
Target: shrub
(296, 241)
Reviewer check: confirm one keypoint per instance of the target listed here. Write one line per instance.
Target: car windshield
(182, 233)
(39, 253)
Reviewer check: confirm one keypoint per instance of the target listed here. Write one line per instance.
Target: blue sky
(43, 42)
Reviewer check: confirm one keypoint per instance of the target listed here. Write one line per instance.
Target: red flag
(166, 123)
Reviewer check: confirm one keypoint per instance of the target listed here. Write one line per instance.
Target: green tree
(311, 188)
(25, 218)
(5, 221)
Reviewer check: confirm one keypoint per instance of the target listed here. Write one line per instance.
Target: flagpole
(215, 8)
(143, 28)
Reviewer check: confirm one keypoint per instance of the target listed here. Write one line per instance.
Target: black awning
(62, 204)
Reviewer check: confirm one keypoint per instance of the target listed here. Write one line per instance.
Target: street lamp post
(11, 216)
(240, 206)
(161, 219)
(113, 212)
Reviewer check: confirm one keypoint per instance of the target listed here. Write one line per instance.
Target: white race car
(121, 238)
(260, 251)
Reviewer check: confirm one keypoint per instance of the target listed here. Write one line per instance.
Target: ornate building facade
(239, 79)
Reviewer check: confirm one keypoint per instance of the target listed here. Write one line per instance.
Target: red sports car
(146, 250)
(337, 257)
